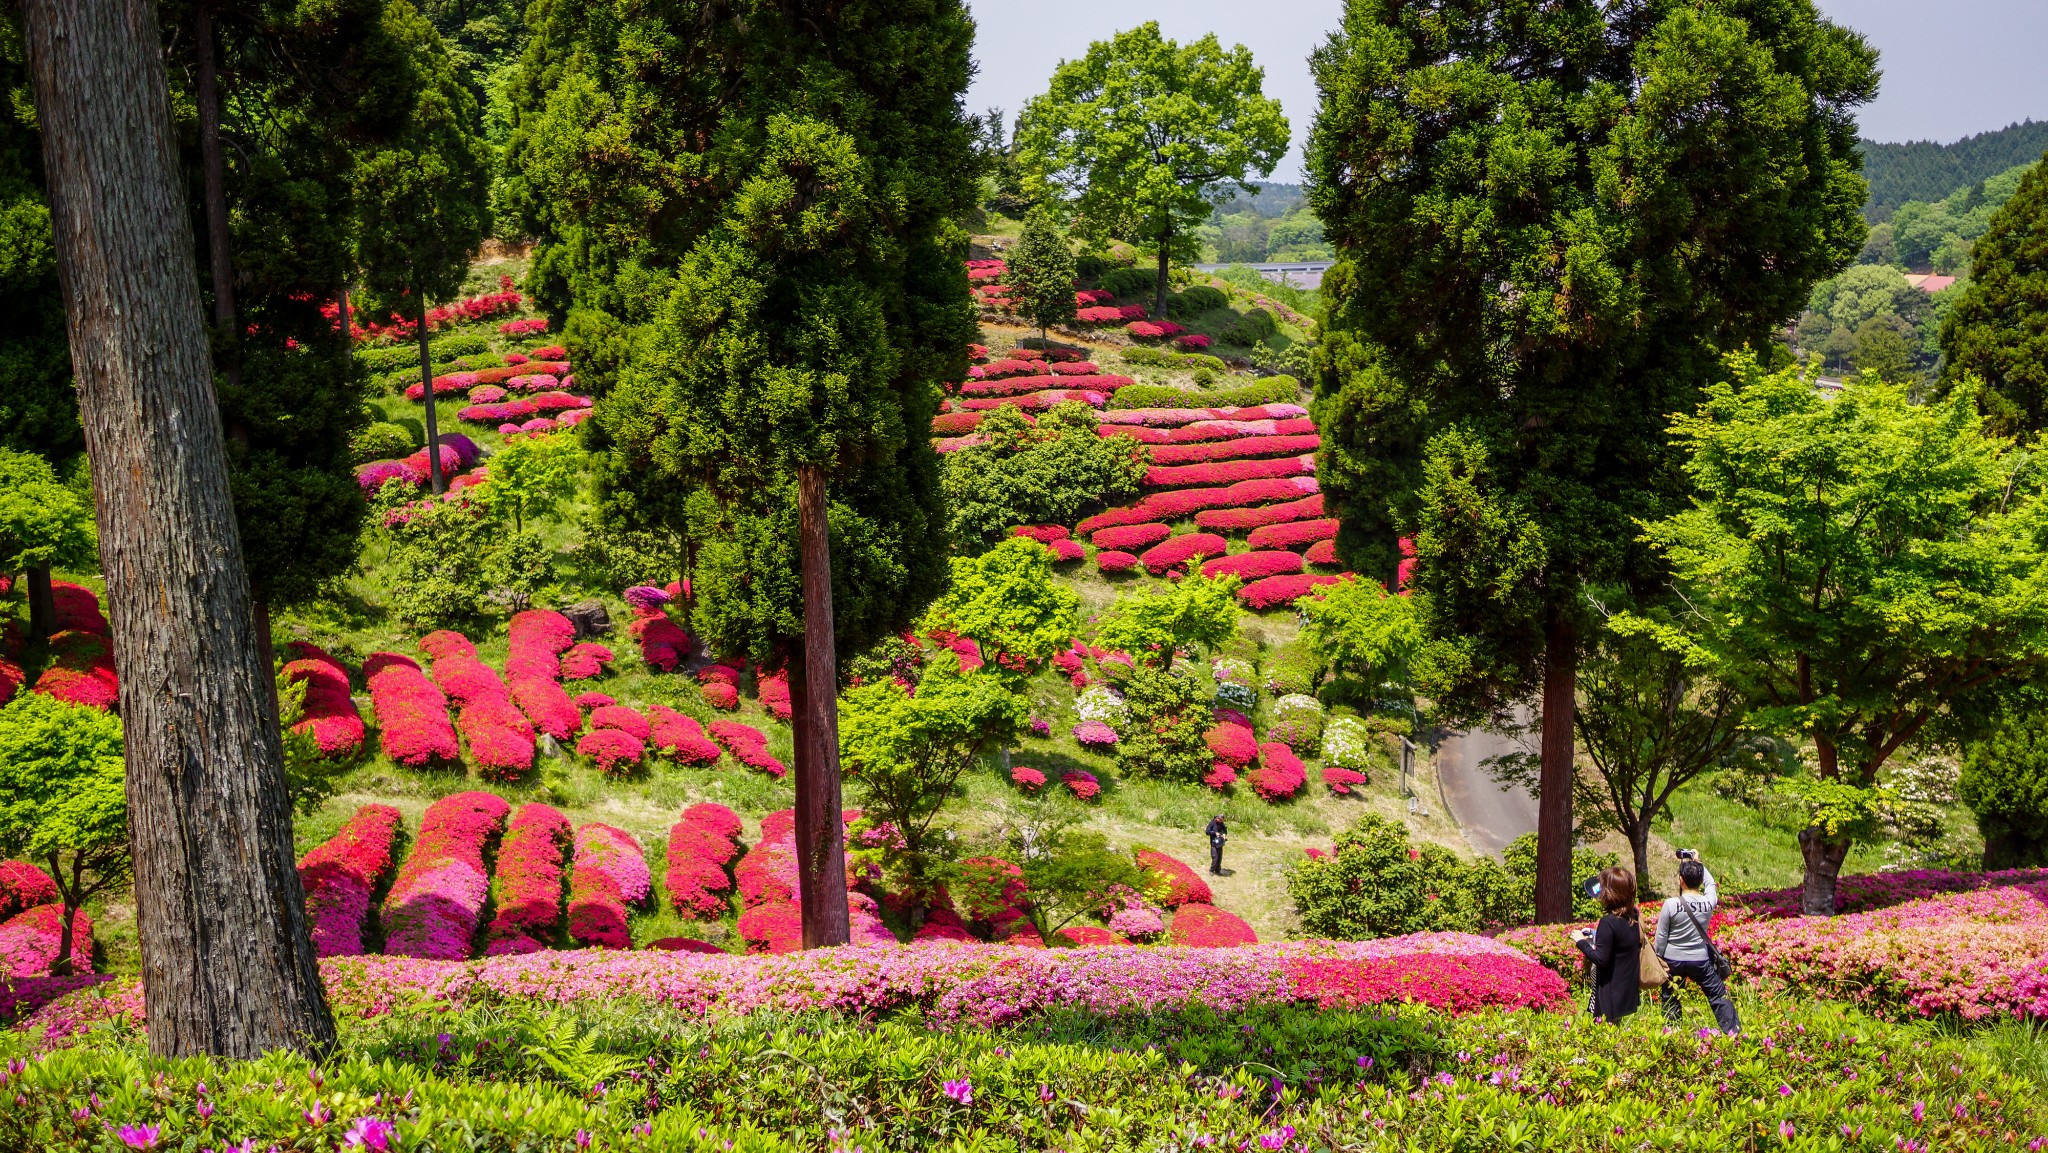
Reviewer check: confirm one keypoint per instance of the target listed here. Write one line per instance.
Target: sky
(1952, 68)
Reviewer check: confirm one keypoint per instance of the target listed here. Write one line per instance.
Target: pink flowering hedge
(1228, 472)
(622, 718)
(1111, 560)
(1341, 781)
(535, 641)
(437, 901)
(1081, 782)
(1280, 774)
(1864, 892)
(1447, 983)
(1293, 534)
(1042, 533)
(1183, 885)
(956, 423)
(529, 882)
(773, 690)
(1243, 448)
(701, 848)
(330, 715)
(585, 661)
(1178, 417)
(547, 706)
(30, 940)
(341, 874)
(1232, 744)
(499, 736)
(609, 875)
(24, 886)
(1203, 926)
(1040, 401)
(663, 643)
(413, 726)
(1020, 385)
(1155, 329)
(1131, 536)
(1175, 552)
(1067, 551)
(1274, 591)
(680, 737)
(1174, 504)
(81, 671)
(1252, 566)
(615, 752)
(1323, 552)
(748, 745)
(1238, 519)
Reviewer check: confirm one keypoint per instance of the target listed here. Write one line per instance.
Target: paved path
(1489, 814)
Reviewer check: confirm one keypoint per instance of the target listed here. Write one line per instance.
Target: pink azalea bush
(1232, 744)
(30, 940)
(1028, 779)
(624, 719)
(1239, 519)
(1240, 448)
(609, 874)
(1183, 885)
(1131, 536)
(1280, 776)
(615, 752)
(1293, 534)
(1081, 782)
(1228, 472)
(721, 696)
(1342, 780)
(748, 745)
(535, 641)
(547, 706)
(1864, 892)
(1202, 926)
(1322, 552)
(1253, 566)
(1445, 982)
(330, 715)
(1174, 553)
(529, 881)
(663, 644)
(1273, 591)
(24, 886)
(1094, 734)
(594, 700)
(586, 661)
(340, 874)
(701, 847)
(438, 897)
(774, 693)
(413, 726)
(1114, 561)
(680, 737)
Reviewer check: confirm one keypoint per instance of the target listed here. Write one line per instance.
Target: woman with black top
(1614, 946)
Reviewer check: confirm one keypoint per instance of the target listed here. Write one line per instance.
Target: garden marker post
(814, 691)
(227, 966)
(427, 394)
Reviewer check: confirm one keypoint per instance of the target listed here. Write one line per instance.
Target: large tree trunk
(820, 832)
(1554, 785)
(427, 383)
(1639, 848)
(227, 966)
(1824, 856)
(42, 604)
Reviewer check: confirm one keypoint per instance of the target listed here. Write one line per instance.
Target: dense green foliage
(1507, 329)
(63, 797)
(2005, 784)
(38, 406)
(1997, 332)
(1273, 223)
(1041, 273)
(1938, 233)
(1924, 170)
(1007, 601)
(1154, 623)
(1364, 632)
(1043, 473)
(1272, 390)
(1163, 739)
(44, 523)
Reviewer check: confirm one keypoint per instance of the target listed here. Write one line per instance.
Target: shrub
(700, 847)
(340, 875)
(1323, 552)
(1253, 566)
(1228, 472)
(1204, 926)
(2004, 783)
(1095, 735)
(529, 881)
(1348, 743)
(329, 713)
(1175, 552)
(623, 719)
(680, 737)
(1442, 982)
(1233, 519)
(615, 752)
(1272, 390)
(720, 696)
(1102, 703)
(609, 874)
(1868, 891)
(594, 700)
(1195, 300)
(1164, 738)
(1035, 473)
(438, 897)
(1373, 883)
(535, 641)
(1242, 448)
(547, 706)
(1042, 533)
(585, 661)
(1028, 779)
(1081, 783)
(1115, 561)
(1128, 537)
(1231, 744)
(1274, 591)
(1340, 780)
(413, 726)
(772, 928)
(748, 745)
(663, 643)
(31, 940)
(380, 441)
(24, 886)
(1280, 774)
(1255, 326)
(1183, 885)
(1297, 723)
(774, 692)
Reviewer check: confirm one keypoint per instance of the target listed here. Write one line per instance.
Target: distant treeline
(1924, 170)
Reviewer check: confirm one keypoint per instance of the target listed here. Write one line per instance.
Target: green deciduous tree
(1043, 473)
(1141, 132)
(2005, 783)
(1867, 569)
(1006, 599)
(1041, 273)
(44, 524)
(1164, 737)
(532, 477)
(1366, 632)
(1550, 219)
(62, 800)
(1152, 624)
(1998, 332)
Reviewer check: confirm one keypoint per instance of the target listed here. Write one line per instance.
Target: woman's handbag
(1650, 969)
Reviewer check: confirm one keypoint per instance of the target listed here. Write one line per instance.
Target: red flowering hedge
(1340, 780)
(340, 874)
(1114, 561)
(23, 886)
(1281, 775)
(1042, 533)
(535, 641)
(438, 899)
(1067, 551)
(77, 609)
(1039, 401)
(774, 692)
(623, 719)
(1447, 982)
(82, 671)
(956, 423)
(1081, 783)
(594, 700)
(1220, 776)
(1232, 519)
(608, 876)
(1155, 329)
(1246, 448)
(1282, 590)
(1026, 778)
(1232, 744)
(1131, 536)
(1105, 314)
(1177, 503)
(529, 881)
(663, 643)
(1293, 534)
(585, 661)
(499, 736)
(748, 745)
(680, 737)
(1183, 885)
(1253, 566)
(614, 751)
(1176, 552)
(413, 727)
(772, 928)
(547, 706)
(1023, 385)
(1085, 936)
(1228, 472)
(1323, 552)
(330, 712)
(721, 696)
(1208, 927)
(700, 848)
(1175, 417)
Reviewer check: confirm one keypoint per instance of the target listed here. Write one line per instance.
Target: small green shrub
(1255, 326)
(459, 344)
(381, 441)
(2005, 783)
(1163, 738)
(1293, 670)
(389, 358)
(1167, 358)
(1195, 300)
(1035, 474)
(1272, 390)
(1129, 281)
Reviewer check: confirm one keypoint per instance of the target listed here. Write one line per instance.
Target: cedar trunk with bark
(814, 697)
(427, 385)
(1554, 784)
(227, 966)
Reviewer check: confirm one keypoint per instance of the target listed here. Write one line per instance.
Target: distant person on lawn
(1615, 946)
(1687, 950)
(1218, 833)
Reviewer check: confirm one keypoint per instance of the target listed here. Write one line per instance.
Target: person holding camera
(1218, 833)
(1614, 946)
(1687, 950)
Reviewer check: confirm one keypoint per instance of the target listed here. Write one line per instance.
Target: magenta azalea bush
(1239, 448)
(748, 745)
(437, 900)
(1253, 566)
(31, 940)
(615, 752)
(680, 737)
(609, 875)
(340, 874)
(413, 726)
(1228, 472)
(1274, 591)
(330, 715)
(529, 882)
(701, 849)
(1238, 519)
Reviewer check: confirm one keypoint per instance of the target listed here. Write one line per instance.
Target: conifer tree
(1998, 331)
(1550, 220)
(1041, 273)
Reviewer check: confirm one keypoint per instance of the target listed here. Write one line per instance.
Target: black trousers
(1700, 973)
(1215, 854)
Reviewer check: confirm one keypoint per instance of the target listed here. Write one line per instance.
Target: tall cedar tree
(1141, 132)
(227, 965)
(798, 355)
(38, 405)
(1998, 331)
(1041, 273)
(1550, 218)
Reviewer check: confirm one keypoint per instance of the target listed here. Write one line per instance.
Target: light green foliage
(1072, 871)
(443, 557)
(905, 754)
(44, 523)
(532, 477)
(1044, 473)
(1997, 332)
(1196, 613)
(63, 796)
(1864, 293)
(1041, 272)
(1163, 738)
(1006, 599)
(1861, 565)
(1272, 390)
(1297, 722)
(1549, 219)
(1139, 132)
(2005, 783)
(1362, 629)
(1348, 743)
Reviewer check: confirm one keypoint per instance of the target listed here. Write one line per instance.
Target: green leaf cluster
(1997, 333)
(2005, 784)
(1006, 599)
(63, 794)
(1154, 623)
(1163, 738)
(1041, 272)
(1042, 473)
(44, 523)
(38, 406)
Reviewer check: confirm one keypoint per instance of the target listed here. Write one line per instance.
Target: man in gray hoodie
(1682, 942)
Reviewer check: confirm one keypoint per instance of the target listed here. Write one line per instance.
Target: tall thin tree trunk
(42, 604)
(1639, 848)
(227, 966)
(427, 383)
(216, 184)
(820, 834)
(1159, 298)
(1554, 787)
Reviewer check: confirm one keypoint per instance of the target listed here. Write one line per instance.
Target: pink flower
(961, 1091)
(340, 874)
(370, 1133)
(140, 1136)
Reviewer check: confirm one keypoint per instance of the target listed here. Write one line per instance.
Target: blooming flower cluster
(29, 941)
(81, 670)
(438, 897)
(1095, 735)
(23, 886)
(1081, 782)
(1864, 892)
(1026, 778)
(1235, 519)
(1193, 342)
(585, 661)
(1203, 926)
(1293, 534)
(1173, 504)
(1446, 982)
(1340, 780)
(1274, 591)
(1024, 385)
(402, 328)
(330, 715)
(499, 736)
(748, 745)
(774, 693)
(701, 847)
(1155, 329)
(1131, 536)
(413, 727)
(1113, 561)
(340, 874)
(1244, 448)
(1297, 723)
(1228, 472)
(615, 752)
(1280, 774)
(608, 875)
(1182, 884)
(1347, 743)
(1042, 533)
(1232, 744)
(1323, 552)
(622, 718)
(1040, 401)
(527, 327)
(529, 882)
(663, 643)
(1174, 553)
(680, 737)
(1253, 566)
(1102, 703)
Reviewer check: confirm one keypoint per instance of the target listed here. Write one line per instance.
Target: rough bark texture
(820, 836)
(226, 963)
(427, 382)
(1824, 856)
(215, 178)
(42, 604)
(1554, 785)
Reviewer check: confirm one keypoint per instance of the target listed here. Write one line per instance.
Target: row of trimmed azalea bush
(1031, 362)
(1228, 472)
(81, 669)
(1173, 505)
(1291, 1077)
(1021, 385)
(1242, 447)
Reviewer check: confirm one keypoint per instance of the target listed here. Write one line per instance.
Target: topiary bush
(1129, 281)
(2005, 783)
(1374, 883)
(380, 441)
(1195, 300)
(1255, 326)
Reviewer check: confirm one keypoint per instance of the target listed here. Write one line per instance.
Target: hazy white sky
(1952, 67)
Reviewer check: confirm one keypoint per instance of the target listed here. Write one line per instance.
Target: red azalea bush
(700, 847)
(1067, 551)
(1028, 779)
(1176, 417)
(623, 719)
(774, 692)
(1280, 776)
(23, 886)
(663, 644)
(535, 641)
(1115, 561)
(547, 706)
(1341, 780)
(1039, 401)
(721, 696)
(1228, 472)
(1220, 776)
(680, 737)
(413, 726)
(608, 875)
(1253, 566)
(77, 609)
(718, 675)
(438, 898)
(594, 700)
(586, 661)
(956, 423)
(1232, 744)
(30, 940)
(529, 881)
(1131, 536)
(339, 875)
(614, 751)
(444, 643)
(1274, 591)
(1084, 936)
(1183, 885)
(748, 745)
(1176, 552)
(1075, 368)
(1063, 377)
(330, 714)
(1082, 783)
(1241, 449)
(1322, 552)
(1042, 533)
(1155, 329)
(1294, 534)
(1229, 519)
(1103, 314)
(82, 670)
(1193, 342)
(1446, 982)
(1865, 892)
(549, 352)
(772, 928)
(1208, 927)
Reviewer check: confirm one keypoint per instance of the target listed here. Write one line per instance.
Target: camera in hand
(1688, 854)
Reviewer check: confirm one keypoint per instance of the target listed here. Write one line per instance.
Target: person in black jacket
(1218, 833)
(1615, 946)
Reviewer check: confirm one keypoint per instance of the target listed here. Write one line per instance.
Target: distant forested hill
(1924, 170)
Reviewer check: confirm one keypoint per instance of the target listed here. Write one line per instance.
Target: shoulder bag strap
(1713, 952)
